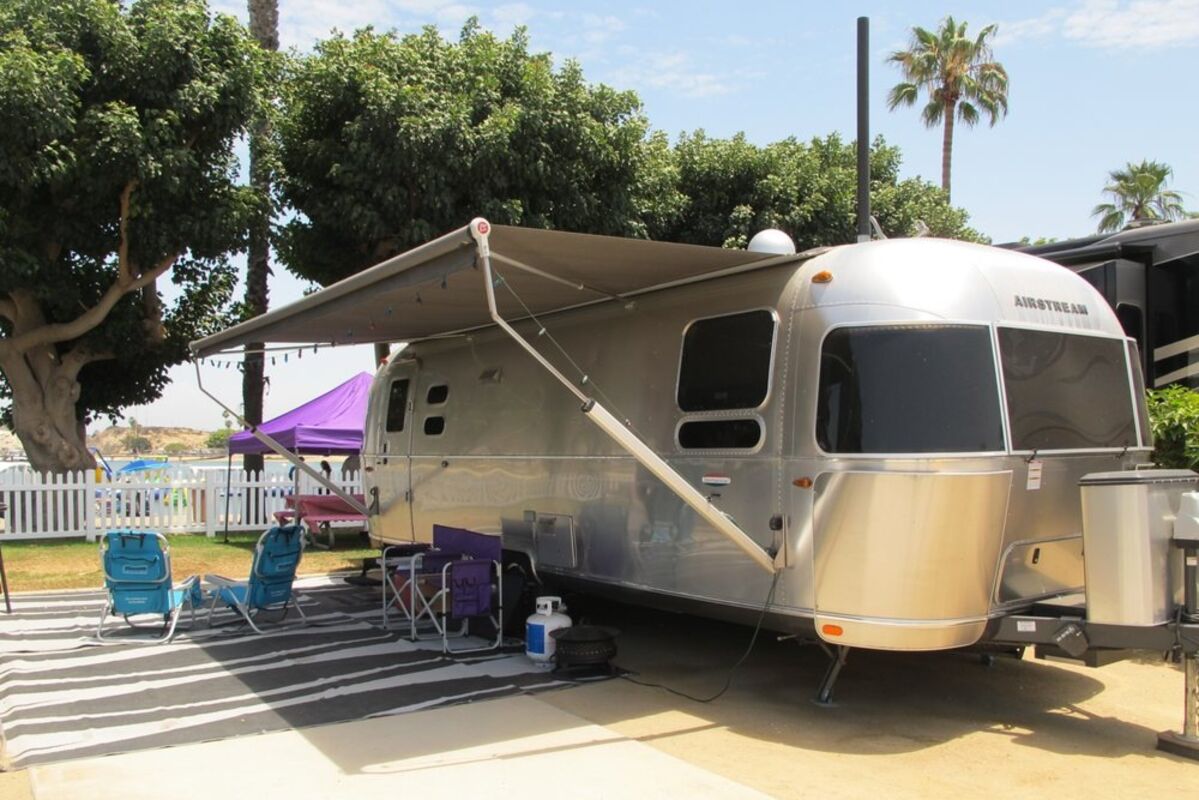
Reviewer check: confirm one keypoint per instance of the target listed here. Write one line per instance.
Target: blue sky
(1094, 84)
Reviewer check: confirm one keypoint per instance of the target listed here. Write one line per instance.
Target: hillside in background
(112, 442)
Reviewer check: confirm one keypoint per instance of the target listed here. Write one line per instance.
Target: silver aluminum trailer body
(897, 550)
(900, 425)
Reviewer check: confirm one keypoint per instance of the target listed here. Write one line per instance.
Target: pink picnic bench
(319, 511)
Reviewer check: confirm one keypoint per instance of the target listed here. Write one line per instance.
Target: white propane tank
(539, 645)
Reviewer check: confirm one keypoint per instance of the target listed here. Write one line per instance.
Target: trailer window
(908, 389)
(397, 405)
(719, 434)
(726, 362)
(437, 395)
(1138, 391)
(1066, 391)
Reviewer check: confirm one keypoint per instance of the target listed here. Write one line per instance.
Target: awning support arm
(617, 430)
(298, 462)
(554, 278)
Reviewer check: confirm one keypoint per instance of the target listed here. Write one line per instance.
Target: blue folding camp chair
(272, 572)
(137, 579)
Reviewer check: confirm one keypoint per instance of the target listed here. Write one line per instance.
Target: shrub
(219, 440)
(1174, 420)
(137, 444)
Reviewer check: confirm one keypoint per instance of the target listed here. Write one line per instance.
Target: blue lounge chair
(137, 579)
(272, 572)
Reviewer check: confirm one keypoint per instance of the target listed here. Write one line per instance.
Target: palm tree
(1140, 193)
(959, 77)
(264, 27)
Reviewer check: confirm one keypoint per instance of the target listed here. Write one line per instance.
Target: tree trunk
(43, 412)
(947, 146)
(264, 27)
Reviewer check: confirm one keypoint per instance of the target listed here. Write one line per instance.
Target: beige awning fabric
(437, 289)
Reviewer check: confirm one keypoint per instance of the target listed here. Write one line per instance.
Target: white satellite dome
(772, 240)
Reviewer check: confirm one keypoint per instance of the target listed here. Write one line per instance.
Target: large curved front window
(1066, 391)
(908, 389)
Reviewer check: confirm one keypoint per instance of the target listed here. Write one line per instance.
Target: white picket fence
(49, 506)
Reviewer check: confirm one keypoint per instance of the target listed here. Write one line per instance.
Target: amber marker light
(823, 276)
(831, 630)
(802, 483)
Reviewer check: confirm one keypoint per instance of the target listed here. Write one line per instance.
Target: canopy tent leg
(228, 492)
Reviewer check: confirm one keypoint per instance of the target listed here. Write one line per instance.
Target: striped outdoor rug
(63, 695)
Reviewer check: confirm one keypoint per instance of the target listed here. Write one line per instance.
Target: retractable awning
(437, 289)
(461, 282)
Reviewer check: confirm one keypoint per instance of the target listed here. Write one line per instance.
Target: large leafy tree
(117, 126)
(733, 188)
(1138, 193)
(957, 75)
(387, 141)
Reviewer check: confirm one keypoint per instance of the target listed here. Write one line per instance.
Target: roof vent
(773, 241)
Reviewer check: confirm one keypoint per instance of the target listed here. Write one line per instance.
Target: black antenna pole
(863, 129)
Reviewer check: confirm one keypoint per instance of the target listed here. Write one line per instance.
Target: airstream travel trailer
(881, 442)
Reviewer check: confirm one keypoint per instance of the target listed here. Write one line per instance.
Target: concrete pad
(15, 786)
(913, 725)
(510, 747)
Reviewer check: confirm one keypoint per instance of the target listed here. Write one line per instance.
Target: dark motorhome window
(715, 434)
(908, 389)
(726, 362)
(1138, 388)
(397, 405)
(437, 394)
(1066, 391)
(434, 426)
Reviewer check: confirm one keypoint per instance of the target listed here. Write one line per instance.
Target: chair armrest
(220, 580)
(404, 550)
(434, 561)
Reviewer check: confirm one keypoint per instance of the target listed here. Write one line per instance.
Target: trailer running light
(802, 483)
(831, 630)
(823, 276)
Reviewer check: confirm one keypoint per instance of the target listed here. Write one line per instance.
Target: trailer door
(393, 467)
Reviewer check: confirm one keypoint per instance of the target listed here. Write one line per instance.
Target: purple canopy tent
(327, 425)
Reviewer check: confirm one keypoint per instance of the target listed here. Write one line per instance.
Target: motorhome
(1148, 273)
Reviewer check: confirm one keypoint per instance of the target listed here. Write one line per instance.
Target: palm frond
(902, 94)
(967, 112)
(1111, 218)
(932, 113)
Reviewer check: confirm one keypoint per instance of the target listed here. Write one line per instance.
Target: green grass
(75, 564)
